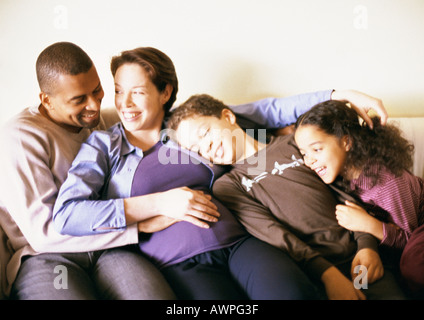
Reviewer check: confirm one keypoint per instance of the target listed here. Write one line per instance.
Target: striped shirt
(398, 201)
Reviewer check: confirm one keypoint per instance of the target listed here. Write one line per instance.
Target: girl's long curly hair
(382, 146)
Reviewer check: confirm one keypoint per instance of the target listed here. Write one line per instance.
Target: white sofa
(412, 127)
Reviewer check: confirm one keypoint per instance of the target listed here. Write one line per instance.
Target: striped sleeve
(400, 197)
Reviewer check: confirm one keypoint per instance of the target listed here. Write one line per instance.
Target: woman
(128, 174)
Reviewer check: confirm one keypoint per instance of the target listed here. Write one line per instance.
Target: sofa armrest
(413, 129)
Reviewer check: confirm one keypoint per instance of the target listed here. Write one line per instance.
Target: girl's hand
(355, 218)
(352, 217)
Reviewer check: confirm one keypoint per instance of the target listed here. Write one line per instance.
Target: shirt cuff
(366, 240)
(111, 217)
(316, 267)
(390, 236)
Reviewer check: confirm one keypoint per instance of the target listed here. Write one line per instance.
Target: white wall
(237, 50)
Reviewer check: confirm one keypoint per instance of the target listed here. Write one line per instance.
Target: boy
(281, 201)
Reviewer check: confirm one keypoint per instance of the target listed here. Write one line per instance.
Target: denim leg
(54, 276)
(122, 274)
(386, 288)
(268, 273)
(204, 277)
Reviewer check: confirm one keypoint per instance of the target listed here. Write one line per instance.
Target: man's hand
(362, 103)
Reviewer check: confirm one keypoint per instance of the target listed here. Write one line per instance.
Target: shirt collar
(367, 181)
(127, 147)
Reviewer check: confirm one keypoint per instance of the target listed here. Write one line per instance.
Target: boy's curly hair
(195, 106)
(382, 146)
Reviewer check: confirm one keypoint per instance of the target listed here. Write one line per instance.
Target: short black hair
(196, 105)
(60, 58)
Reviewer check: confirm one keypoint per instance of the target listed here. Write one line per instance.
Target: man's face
(75, 100)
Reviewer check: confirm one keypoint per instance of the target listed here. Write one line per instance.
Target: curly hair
(382, 146)
(196, 105)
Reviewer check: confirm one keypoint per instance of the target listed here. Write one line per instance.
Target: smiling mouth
(90, 115)
(219, 152)
(130, 116)
(321, 171)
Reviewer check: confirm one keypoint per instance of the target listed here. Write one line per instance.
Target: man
(40, 144)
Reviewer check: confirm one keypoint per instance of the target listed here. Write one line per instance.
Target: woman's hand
(179, 204)
(362, 103)
(189, 205)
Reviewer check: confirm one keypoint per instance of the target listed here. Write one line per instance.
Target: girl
(372, 164)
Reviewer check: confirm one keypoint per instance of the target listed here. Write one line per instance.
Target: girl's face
(218, 140)
(137, 100)
(323, 153)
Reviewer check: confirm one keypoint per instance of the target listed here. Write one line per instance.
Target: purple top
(183, 239)
(397, 201)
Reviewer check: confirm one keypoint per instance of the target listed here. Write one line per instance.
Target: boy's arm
(261, 223)
(339, 287)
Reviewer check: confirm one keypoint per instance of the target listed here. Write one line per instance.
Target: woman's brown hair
(158, 66)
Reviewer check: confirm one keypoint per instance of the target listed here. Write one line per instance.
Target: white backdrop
(236, 50)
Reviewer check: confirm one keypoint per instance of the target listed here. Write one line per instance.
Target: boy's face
(221, 141)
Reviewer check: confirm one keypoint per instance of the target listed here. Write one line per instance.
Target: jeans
(107, 274)
(387, 287)
(251, 269)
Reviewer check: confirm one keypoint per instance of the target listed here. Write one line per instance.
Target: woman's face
(323, 153)
(137, 100)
